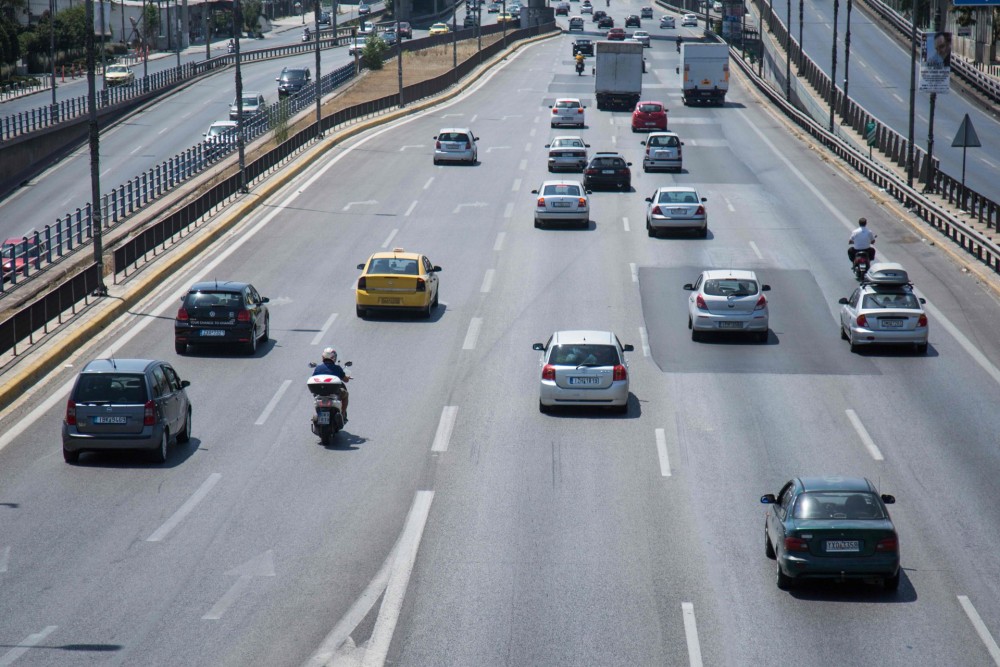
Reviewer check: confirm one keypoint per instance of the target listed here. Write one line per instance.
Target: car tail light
(796, 544)
(437, 144)
(362, 283)
(862, 321)
(580, 110)
(421, 285)
(148, 413)
(243, 316)
(182, 315)
(590, 172)
(657, 211)
(648, 149)
(541, 202)
(888, 545)
(468, 145)
(699, 302)
(71, 412)
(761, 303)
(548, 372)
(555, 110)
(922, 321)
(700, 211)
(619, 373)
(582, 201)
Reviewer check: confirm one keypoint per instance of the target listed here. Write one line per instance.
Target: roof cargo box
(887, 273)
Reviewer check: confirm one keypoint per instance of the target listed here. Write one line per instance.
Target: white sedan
(568, 153)
(689, 20)
(676, 207)
(728, 300)
(668, 22)
(642, 37)
(562, 201)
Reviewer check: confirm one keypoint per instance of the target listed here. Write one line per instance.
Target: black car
(606, 22)
(405, 30)
(364, 9)
(598, 15)
(324, 18)
(584, 46)
(222, 313)
(470, 21)
(607, 169)
(632, 21)
(292, 79)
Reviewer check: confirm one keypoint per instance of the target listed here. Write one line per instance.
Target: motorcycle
(305, 35)
(579, 68)
(862, 262)
(678, 45)
(232, 47)
(327, 391)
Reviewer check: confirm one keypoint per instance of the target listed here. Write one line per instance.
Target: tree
(374, 51)
(251, 15)
(151, 19)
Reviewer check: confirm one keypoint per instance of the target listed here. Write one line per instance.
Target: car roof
(567, 99)
(224, 123)
(660, 102)
(835, 483)
(583, 336)
(738, 274)
(608, 154)
(562, 182)
(562, 137)
(218, 286)
(676, 188)
(454, 129)
(395, 252)
(117, 366)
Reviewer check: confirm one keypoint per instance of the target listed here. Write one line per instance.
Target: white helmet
(330, 354)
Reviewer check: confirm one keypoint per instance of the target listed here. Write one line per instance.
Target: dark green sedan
(831, 528)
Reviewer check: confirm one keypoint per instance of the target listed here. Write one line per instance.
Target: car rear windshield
(565, 190)
(567, 104)
(398, 266)
(453, 136)
(220, 299)
(730, 287)
(838, 505)
(250, 101)
(650, 108)
(116, 388)
(891, 300)
(608, 163)
(677, 198)
(567, 143)
(584, 354)
(668, 142)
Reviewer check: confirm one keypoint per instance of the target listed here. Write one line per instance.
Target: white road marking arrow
(4, 559)
(496, 148)
(370, 202)
(516, 115)
(403, 148)
(258, 566)
(478, 204)
(279, 301)
(449, 115)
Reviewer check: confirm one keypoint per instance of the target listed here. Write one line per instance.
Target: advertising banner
(935, 62)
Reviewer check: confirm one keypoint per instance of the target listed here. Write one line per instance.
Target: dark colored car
(562, 9)
(470, 21)
(598, 15)
(126, 404)
(831, 528)
(607, 170)
(292, 79)
(633, 21)
(646, 12)
(222, 313)
(364, 9)
(405, 30)
(616, 35)
(606, 22)
(324, 18)
(584, 46)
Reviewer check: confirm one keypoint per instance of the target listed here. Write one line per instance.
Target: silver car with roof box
(585, 368)
(884, 310)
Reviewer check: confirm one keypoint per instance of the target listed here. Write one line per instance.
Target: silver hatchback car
(568, 111)
(583, 368)
(664, 150)
(456, 144)
(728, 300)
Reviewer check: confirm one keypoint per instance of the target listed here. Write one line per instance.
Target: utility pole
(913, 92)
(104, 63)
(145, 49)
(833, 66)
(399, 55)
(179, 33)
(208, 38)
(454, 42)
(96, 218)
(929, 182)
(54, 110)
(847, 64)
(788, 49)
(802, 53)
(240, 138)
(319, 77)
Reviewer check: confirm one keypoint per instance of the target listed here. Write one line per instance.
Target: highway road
(452, 523)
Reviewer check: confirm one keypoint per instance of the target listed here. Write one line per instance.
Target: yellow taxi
(439, 29)
(505, 17)
(397, 280)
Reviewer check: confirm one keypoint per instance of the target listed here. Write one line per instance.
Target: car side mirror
(204, 134)
(642, 143)
(434, 137)
(534, 192)
(768, 499)
(361, 266)
(628, 348)
(628, 164)
(186, 383)
(475, 138)
(689, 287)
(277, 78)
(589, 192)
(677, 70)
(538, 346)
(842, 300)
(264, 299)
(888, 500)
(548, 145)
(435, 269)
(649, 199)
(550, 106)
(348, 364)
(586, 145)
(923, 300)
(765, 288)
(682, 143)
(704, 198)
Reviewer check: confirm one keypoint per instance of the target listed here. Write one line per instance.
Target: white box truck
(705, 70)
(618, 82)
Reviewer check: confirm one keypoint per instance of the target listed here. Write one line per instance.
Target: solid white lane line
(981, 629)
(522, 165)
(863, 434)
(185, 509)
(475, 324)
(635, 271)
(756, 250)
(410, 210)
(508, 210)
(22, 647)
(399, 578)
(4, 559)
(273, 404)
(322, 332)
(966, 344)
(487, 281)
(691, 633)
(498, 244)
(428, 183)
(388, 240)
(445, 426)
(661, 452)
(625, 223)
(516, 186)
(644, 337)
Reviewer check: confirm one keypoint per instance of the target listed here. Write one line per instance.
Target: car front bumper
(614, 395)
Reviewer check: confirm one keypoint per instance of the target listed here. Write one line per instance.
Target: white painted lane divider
(404, 147)
(635, 271)
(472, 335)
(4, 559)
(661, 452)
(428, 183)
(475, 204)
(729, 205)
(527, 147)
(367, 202)
(31, 641)
(487, 281)
(522, 165)
(691, 633)
(863, 434)
(508, 210)
(532, 132)
(388, 239)
(186, 508)
(474, 117)
(445, 426)
(498, 244)
(644, 338)
(273, 403)
(135, 150)
(516, 186)
(756, 250)
(410, 210)
(625, 223)
(258, 566)
(981, 629)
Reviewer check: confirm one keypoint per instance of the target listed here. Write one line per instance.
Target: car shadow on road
(901, 350)
(227, 351)
(854, 591)
(177, 454)
(405, 316)
(597, 412)
(682, 235)
(738, 338)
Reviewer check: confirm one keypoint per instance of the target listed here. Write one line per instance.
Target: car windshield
(394, 265)
(453, 136)
(294, 75)
(668, 142)
(674, 197)
(561, 189)
(650, 108)
(838, 505)
(249, 101)
(216, 130)
(567, 104)
(117, 388)
(891, 300)
(730, 287)
(584, 354)
(567, 143)
(118, 69)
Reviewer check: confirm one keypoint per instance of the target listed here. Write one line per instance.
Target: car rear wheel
(783, 580)
(843, 334)
(180, 348)
(360, 311)
(921, 348)
(538, 224)
(650, 231)
(267, 330)
(854, 346)
(544, 409)
(703, 232)
(185, 434)
(70, 457)
(695, 335)
(251, 345)
(762, 336)
(891, 583)
(159, 455)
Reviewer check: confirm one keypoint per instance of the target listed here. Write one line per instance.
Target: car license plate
(323, 418)
(213, 332)
(560, 204)
(678, 211)
(607, 171)
(730, 325)
(650, 124)
(110, 420)
(585, 380)
(390, 300)
(892, 324)
(843, 546)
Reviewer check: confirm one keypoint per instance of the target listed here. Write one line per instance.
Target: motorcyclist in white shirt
(862, 238)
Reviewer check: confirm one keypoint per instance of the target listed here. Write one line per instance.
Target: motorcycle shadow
(345, 441)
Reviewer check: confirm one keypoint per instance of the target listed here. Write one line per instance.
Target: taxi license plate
(892, 324)
(110, 420)
(730, 325)
(323, 418)
(584, 380)
(212, 332)
(390, 300)
(843, 546)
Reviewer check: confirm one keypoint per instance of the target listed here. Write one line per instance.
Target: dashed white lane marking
(729, 205)
(163, 130)
(527, 147)
(508, 210)
(388, 239)
(644, 337)
(611, 120)
(989, 162)
(537, 118)
(522, 165)
(981, 629)
(487, 281)
(898, 98)
(186, 508)
(27, 643)
(635, 272)
(326, 327)
(475, 324)
(531, 133)
(105, 173)
(474, 117)
(498, 244)
(756, 250)
(351, 204)
(135, 150)
(404, 147)
(410, 210)
(661, 452)
(428, 183)
(4, 559)
(863, 434)
(691, 633)
(273, 403)
(446, 424)
(614, 139)
(516, 186)
(625, 223)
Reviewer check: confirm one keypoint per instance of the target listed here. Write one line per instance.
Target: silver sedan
(568, 153)
(728, 300)
(583, 368)
(883, 315)
(676, 207)
(562, 201)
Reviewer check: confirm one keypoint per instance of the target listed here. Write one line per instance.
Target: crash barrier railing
(19, 88)
(887, 141)
(136, 250)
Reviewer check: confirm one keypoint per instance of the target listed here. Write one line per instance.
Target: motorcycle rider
(862, 238)
(329, 366)
(579, 61)
(305, 34)
(678, 43)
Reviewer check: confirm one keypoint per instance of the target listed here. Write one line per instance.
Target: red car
(649, 116)
(405, 30)
(616, 34)
(15, 253)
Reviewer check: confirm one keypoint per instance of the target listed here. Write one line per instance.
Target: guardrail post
(144, 190)
(79, 226)
(90, 221)
(129, 203)
(48, 244)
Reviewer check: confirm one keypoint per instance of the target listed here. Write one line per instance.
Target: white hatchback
(690, 20)
(728, 300)
(456, 144)
(562, 201)
(568, 111)
(583, 368)
(663, 151)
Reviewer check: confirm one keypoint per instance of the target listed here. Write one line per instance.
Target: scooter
(232, 47)
(305, 35)
(329, 417)
(862, 262)
(579, 68)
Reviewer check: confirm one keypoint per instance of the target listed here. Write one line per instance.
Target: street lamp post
(788, 52)
(104, 62)
(454, 42)
(240, 143)
(177, 18)
(54, 111)
(145, 49)
(504, 10)
(929, 182)
(847, 65)
(96, 221)
(399, 57)
(833, 66)
(913, 93)
(319, 77)
(802, 55)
